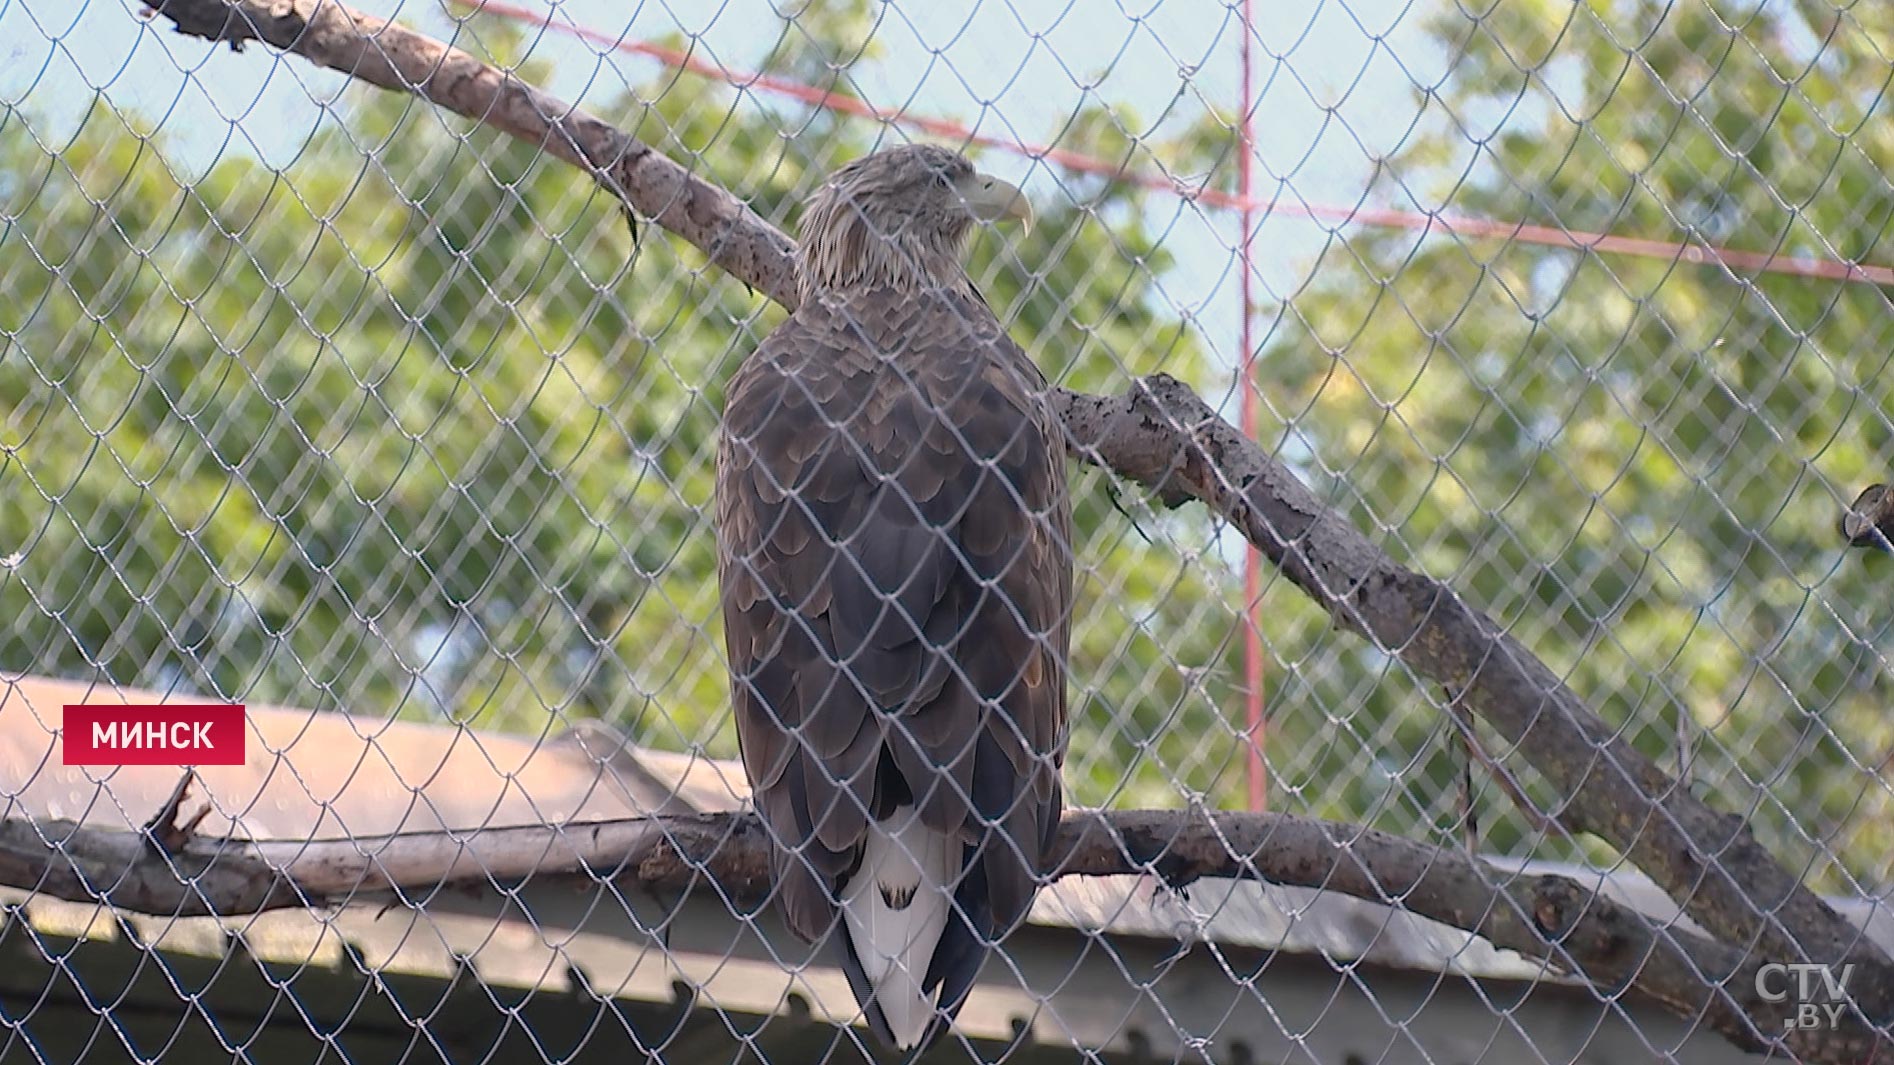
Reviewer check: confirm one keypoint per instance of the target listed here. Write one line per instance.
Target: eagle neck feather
(841, 250)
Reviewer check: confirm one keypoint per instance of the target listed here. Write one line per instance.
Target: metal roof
(313, 775)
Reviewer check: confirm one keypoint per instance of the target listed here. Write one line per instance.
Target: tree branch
(393, 57)
(1553, 918)
(1161, 433)
(1164, 436)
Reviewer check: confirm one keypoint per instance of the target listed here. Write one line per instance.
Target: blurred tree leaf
(400, 429)
(1635, 464)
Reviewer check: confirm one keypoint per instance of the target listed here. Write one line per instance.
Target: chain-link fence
(338, 379)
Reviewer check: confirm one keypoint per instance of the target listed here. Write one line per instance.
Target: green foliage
(413, 427)
(1635, 464)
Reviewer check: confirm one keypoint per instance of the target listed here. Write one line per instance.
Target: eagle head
(899, 219)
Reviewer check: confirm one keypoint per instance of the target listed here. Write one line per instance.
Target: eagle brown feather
(896, 570)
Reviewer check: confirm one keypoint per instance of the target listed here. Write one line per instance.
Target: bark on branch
(390, 56)
(1162, 435)
(165, 871)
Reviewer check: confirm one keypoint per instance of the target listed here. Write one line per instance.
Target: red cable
(1461, 225)
(1248, 207)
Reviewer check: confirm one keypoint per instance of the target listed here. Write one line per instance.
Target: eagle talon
(1176, 879)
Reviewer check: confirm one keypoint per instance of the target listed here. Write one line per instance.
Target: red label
(153, 734)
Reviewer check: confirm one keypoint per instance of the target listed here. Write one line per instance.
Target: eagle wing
(896, 576)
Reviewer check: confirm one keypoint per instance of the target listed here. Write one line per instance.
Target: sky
(1334, 90)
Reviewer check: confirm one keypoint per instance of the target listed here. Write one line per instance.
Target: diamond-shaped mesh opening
(395, 426)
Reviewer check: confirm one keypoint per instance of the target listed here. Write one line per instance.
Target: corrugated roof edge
(316, 774)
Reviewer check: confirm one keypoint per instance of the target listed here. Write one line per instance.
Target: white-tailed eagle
(896, 573)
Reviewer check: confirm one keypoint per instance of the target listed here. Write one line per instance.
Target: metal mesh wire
(314, 396)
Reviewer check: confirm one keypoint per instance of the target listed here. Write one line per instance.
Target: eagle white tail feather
(896, 906)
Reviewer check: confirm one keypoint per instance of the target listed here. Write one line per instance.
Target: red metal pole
(1462, 226)
(1258, 775)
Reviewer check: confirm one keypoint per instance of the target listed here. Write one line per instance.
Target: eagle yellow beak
(989, 199)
